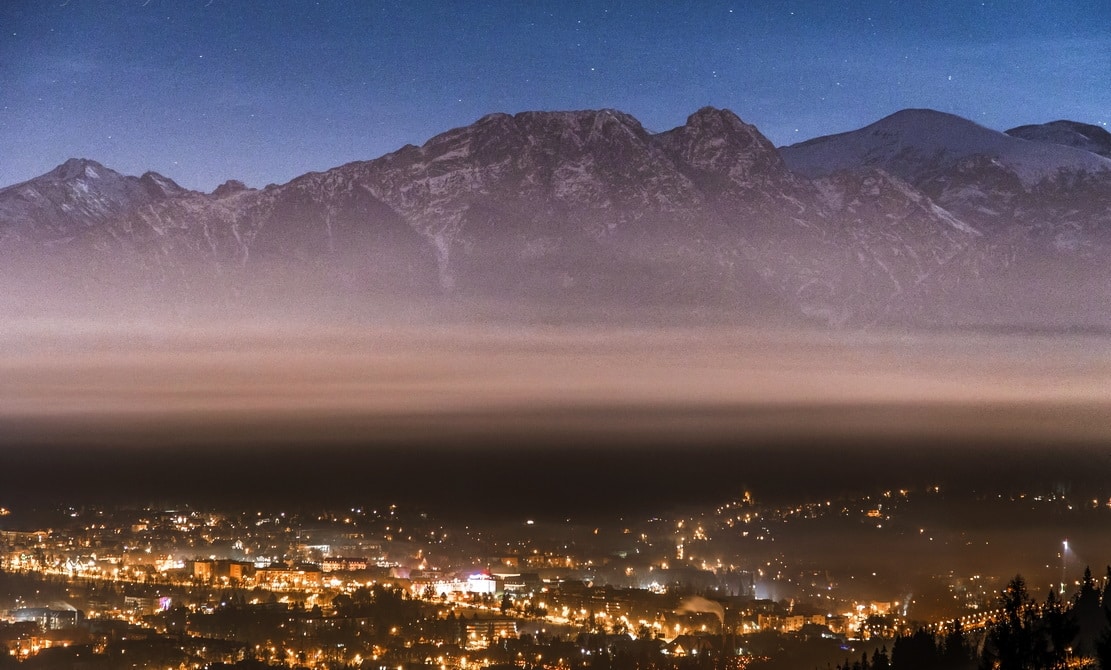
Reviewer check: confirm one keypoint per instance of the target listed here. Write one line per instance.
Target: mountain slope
(921, 217)
(76, 196)
(917, 144)
(1068, 133)
(1029, 196)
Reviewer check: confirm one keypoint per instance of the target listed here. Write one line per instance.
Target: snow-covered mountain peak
(1084, 136)
(923, 216)
(81, 168)
(919, 144)
(77, 195)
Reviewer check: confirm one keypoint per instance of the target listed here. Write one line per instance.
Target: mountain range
(920, 218)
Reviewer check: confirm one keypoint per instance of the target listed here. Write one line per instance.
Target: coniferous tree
(1089, 616)
(1010, 641)
(1103, 644)
(956, 653)
(1055, 633)
(880, 661)
(915, 652)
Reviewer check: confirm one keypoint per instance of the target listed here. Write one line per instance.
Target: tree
(915, 652)
(1056, 632)
(880, 661)
(956, 653)
(1010, 642)
(1103, 643)
(1089, 617)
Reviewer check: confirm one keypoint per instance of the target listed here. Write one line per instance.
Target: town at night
(555, 335)
(791, 581)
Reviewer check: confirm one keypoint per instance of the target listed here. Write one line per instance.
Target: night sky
(206, 90)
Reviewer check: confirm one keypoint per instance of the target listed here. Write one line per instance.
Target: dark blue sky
(206, 90)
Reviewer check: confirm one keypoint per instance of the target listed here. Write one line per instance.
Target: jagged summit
(710, 115)
(570, 116)
(159, 186)
(228, 188)
(727, 154)
(722, 124)
(921, 215)
(576, 127)
(76, 168)
(85, 172)
(77, 195)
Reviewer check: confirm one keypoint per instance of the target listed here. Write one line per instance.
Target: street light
(1064, 554)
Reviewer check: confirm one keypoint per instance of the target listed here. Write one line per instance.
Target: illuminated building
(203, 570)
(480, 634)
(281, 576)
(480, 583)
(49, 619)
(340, 564)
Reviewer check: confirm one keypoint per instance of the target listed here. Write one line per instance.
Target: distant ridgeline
(921, 218)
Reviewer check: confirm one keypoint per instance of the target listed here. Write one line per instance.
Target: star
(405, 75)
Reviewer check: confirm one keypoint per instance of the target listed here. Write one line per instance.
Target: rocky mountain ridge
(74, 197)
(921, 217)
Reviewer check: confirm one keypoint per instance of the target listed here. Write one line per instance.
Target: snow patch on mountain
(916, 144)
(1088, 137)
